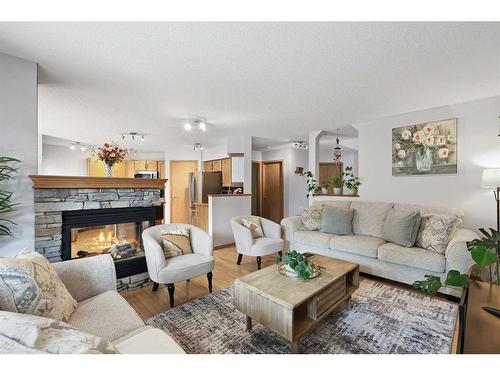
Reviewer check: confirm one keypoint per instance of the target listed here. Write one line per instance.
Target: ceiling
(270, 80)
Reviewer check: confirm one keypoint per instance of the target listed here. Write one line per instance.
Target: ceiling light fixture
(198, 147)
(72, 147)
(199, 124)
(134, 135)
(300, 145)
(337, 151)
(188, 126)
(81, 146)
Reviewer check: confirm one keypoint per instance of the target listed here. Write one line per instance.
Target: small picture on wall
(429, 148)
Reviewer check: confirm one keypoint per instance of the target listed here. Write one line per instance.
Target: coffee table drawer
(325, 299)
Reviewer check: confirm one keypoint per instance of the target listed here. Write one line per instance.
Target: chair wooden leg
(259, 261)
(171, 290)
(155, 287)
(280, 254)
(240, 257)
(209, 277)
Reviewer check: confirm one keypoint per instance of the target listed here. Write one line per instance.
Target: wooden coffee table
(292, 307)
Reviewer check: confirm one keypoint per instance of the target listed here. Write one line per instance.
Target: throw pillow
(253, 223)
(311, 218)
(336, 220)
(435, 231)
(29, 334)
(176, 242)
(30, 285)
(401, 227)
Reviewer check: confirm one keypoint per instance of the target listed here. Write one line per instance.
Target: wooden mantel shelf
(83, 182)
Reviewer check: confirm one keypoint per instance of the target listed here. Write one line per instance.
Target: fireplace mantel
(84, 182)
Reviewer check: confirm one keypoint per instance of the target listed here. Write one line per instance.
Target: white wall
(220, 211)
(19, 139)
(294, 189)
(478, 147)
(214, 152)
(61, 161)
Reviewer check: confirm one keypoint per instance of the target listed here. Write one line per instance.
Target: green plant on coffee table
(312, 184)
(484, 252)
(7, 172)
(336, 181)
(304, 268)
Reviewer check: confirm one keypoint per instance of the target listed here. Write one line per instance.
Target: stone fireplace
(78, 217)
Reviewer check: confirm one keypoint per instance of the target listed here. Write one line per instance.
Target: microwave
(146, 174)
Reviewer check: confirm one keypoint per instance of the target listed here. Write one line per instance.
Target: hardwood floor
(148, 303)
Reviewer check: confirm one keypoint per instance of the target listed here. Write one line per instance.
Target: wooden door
(256, 188)
(216, 165)
(151, 165)
(179, 189)
(327, 171)
(161, 169)
(226, 172)
(140, 165)
(208, 166)
(272, 190)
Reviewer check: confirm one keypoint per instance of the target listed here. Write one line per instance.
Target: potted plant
(7, 172)
(109, 154)
(312, 184)
(324, 188)
(351, 182)
(298, 264)
(485, 254)
(337, 185)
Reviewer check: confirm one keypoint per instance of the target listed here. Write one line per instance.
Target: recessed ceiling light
(83, 148)
(203, 126)
(72, 147)
(187, 126)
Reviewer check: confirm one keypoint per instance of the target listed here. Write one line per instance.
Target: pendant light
(337, 151)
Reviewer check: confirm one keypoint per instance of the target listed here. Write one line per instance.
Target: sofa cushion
(176, 242)
(311, 218)
(401, 227)
(147, 340)
(30, 334)
(336, 220)
(369, 218)
(185, 267)
(430, 210)
(360, 245)
(253, 223)
(412, 257)
(435, 232)
(29, 284)
(313, 238)
(340, 204)
(107, 315)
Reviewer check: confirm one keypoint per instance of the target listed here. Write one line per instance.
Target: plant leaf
(455, 278)
(429, 286)
(483, 256)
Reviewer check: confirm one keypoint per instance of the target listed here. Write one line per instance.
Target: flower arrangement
(428, 144)
(109, 154)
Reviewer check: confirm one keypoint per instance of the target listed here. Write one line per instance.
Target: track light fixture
(81, 146)
(134, 135)
(198, 124)
(300, 145)
(198, 147)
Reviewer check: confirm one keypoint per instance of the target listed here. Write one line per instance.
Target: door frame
(259, 184)
(282, 189)
(170, 180)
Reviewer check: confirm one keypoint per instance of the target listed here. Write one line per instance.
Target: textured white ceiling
(271, 80)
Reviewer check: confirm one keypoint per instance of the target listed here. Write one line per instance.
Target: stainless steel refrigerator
(201, 184)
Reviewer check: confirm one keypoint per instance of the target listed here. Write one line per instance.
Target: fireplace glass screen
(122, 241)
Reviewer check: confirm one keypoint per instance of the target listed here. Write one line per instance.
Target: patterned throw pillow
(311, 218)
(176, 242)
(435, 231)
(30, 285)
(29, 334)
(253, 223)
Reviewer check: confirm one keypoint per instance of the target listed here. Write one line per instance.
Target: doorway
(272, 190)
(179, 189)
(256, 188)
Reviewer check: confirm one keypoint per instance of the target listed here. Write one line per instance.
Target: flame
(101, 237)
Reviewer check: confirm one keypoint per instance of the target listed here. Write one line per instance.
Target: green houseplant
(324, 187)
(351, 182)
(312, 184)
(298, 263)
(485, 254)
(7, 172)
(337, 184)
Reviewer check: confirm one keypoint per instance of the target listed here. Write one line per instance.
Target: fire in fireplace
(113, 231)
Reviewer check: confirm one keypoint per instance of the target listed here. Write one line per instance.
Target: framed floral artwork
(429, 148)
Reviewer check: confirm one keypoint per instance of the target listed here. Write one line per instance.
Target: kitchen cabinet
(95, 168)
(208, 166)
(139, 165)
(226, 172)
(217, 165)
(151, 165)
(127, 168)
(161, 169)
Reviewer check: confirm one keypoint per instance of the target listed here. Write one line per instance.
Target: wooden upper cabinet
(139, 165)
(226, 172)
(161, 169)
(119, 170)
(129, 168)
(95, 168)
(151, 165)
(208, 166)
(217, 166)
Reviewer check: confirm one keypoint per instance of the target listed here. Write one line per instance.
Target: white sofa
(103, 312)
(374, 255)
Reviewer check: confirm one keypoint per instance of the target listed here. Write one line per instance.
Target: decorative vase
(337, 190)
(423, 160)
(108, 169)
(350, 191)
(324, 191)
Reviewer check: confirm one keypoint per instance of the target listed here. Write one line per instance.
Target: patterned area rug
(383, 319)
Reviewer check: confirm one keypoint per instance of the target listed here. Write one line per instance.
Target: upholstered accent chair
(246, 244)
(184, 267)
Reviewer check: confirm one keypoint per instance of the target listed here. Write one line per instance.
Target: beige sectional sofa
(376, 256)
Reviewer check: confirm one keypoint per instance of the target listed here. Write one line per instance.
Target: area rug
(382, 319)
